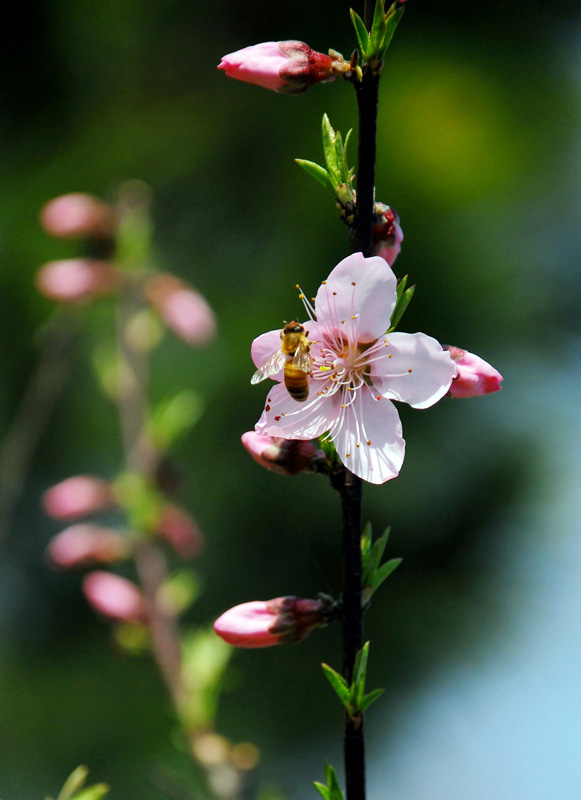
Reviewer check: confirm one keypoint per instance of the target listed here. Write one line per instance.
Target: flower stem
(350, 485)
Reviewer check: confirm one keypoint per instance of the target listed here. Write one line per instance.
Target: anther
(347, 455)
(369, 441)
(409, 370)
(334, 293)
(352, 283)
(323, 282)
(267, 408)
(277, 419)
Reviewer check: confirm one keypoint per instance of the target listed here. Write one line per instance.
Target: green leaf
(384, 572)
(339, 684)
(74, 782)
(317, 172)
(360, 31)
(378, 31)
(359, 676)
(369, 699)
(96, 792)
(401, 306)
(366, 539)
(323, 790)
(401, 284)
(377, 553)
(393, 19)
(330, 149)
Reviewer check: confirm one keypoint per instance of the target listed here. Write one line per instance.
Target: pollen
(352, 283)
(379, 396)
(390, 355)
(369, 441)
(297, 286)
(342, 405)
(353, 316)
(267, 407)
(409, 370)
(342, 322)
(347, 455)
(277, 419)
(357, 445)
(334, 293)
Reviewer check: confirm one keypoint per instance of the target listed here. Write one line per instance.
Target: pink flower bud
(75, 215)
(264, 623)
(180, 530)
(283, 66)
(114, 597)
(387, 233)
(285, 456)
(183, 309)
(76, 280)
(84, 544)
(475, 375)
(77, 496)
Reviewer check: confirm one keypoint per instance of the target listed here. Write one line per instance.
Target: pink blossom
(387, 233)
(75, 215)
(183, 309)
(283, 66)
(114, 597)
(357, 370)
(475, 375)
(76, 280)
(265, 623)
(77, 496)
(285, 456)
(180, 531)
(86, 543)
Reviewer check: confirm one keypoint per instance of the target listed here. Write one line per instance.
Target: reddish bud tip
(84, 544)
(76, 280)
(77, 496)
(387, 233)
(76, 215)
(289, 66)
(183, 310)
(180, 531)
(265, 623)
(114, 597)
(285, 456)
(475, 375)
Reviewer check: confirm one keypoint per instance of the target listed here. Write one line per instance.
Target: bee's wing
(274, 364)
(303, 360)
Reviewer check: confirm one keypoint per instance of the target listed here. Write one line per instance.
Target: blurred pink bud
(180, 530)
(283, 66)
(286, 456)
(76, 280)
(77, 496)
(114, 597)
(84, 544)
(475, 375)
(264, 623)
(75, 215)
(387, 233)
(183, 309)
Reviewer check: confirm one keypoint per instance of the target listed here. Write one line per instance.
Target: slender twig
(140, 457)
(28, 425)
(350, 485)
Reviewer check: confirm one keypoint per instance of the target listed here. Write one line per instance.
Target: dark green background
(479, 151)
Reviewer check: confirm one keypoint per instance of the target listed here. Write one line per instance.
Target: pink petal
(283, 416)
(364, 286)
(370, 442)
(416, 374)
(259, 64)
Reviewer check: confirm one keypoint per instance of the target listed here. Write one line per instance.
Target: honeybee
(294, 355)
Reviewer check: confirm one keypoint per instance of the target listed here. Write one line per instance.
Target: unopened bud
(114, 597)
(180, 531)
(84, 544)
(76, 215)
(76, 280)
(289, 67)
(182, 309)
(387, 233)
(285, 456)
(265, 623)
(475, 375)
(77, 496)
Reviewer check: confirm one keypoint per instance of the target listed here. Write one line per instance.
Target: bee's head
(293, 327)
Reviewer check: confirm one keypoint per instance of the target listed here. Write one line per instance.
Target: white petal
(358, 286)
(284, 416)
(375, 422)
(419, 372)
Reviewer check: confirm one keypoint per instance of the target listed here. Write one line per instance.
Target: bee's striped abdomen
(296, 382)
